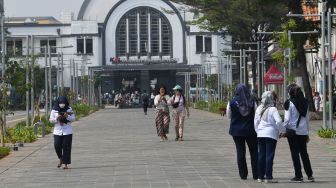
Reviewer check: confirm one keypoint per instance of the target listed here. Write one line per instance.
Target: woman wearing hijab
(296, 120)
(162, 118)
(241, 112)
(62, 115)
(268, 125)
(180, 110)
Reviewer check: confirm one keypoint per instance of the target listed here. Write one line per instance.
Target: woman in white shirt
(180, 110)
(62, 115)
(162, 118)
(296, 119)
(268, 125)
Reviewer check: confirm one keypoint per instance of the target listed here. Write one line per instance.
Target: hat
(177, 87)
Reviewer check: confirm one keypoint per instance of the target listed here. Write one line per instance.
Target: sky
(23, 8)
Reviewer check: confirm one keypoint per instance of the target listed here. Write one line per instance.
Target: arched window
(144, 31)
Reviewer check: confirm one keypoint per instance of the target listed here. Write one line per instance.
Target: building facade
(133, 44)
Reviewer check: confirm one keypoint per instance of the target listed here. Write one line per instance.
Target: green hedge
(4, 151)
(326, 133)
(201, 105)
(20, 133)
(81, 109)
(215, 106)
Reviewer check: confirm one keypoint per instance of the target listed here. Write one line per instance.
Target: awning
(273, 76)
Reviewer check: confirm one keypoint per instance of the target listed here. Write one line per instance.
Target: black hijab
(298, 99)
(61, 100)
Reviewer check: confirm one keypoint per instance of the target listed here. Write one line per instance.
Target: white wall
(130, 4)
(43, 33)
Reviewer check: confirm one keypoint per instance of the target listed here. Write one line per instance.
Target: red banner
(273, 76)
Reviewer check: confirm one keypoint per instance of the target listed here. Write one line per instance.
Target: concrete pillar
(144, 80)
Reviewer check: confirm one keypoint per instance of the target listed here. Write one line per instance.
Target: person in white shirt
(268, 125)
(162, 118)
(180, 110)
(61, 116)
(296, 119)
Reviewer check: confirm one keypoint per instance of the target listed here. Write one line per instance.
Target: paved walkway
(119, 148)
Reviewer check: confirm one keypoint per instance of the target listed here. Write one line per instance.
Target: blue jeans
(265, 157)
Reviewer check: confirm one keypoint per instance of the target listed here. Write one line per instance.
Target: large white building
(133, 43)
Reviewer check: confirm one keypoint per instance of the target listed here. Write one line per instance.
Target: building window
(207, 45)
(199, 44)
(84, 46)
(203, 41)
(52, 44)
(14, 47)
(143, 31)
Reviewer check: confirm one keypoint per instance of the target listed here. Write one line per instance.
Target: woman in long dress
(162, 118)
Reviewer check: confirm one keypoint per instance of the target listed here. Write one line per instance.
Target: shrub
(4, 151)
(215, 106)
(20, 133)
(201, 105)
(326, 133)
(81, 110)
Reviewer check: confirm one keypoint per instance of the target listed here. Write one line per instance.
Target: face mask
(61, 105)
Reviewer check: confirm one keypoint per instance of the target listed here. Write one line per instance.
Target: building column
(144, 80)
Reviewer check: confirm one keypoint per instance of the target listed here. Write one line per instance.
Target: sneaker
(311, 179)
(270, 181)
(260, 180)
(295, 179)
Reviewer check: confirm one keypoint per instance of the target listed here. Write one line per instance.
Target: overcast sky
(18, 8)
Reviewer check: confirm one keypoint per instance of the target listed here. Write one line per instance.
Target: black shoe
(296, 179)
(311, 179)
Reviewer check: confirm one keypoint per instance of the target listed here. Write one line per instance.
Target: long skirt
(162, 121)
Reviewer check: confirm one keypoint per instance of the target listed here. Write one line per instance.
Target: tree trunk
(301, 59)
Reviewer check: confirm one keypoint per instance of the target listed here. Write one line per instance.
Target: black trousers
(252, 144)
(63, 147)
(298, 147)
(145, 107)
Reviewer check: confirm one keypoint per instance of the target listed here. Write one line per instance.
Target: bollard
(43, 128)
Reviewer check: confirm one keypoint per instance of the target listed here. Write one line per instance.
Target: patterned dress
(162, 118)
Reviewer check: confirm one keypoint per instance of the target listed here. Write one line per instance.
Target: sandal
(60, 164)
(65, 167)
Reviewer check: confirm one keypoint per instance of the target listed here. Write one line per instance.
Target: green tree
(241, 19)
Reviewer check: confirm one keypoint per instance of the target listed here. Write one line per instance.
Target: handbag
(176, 104)
(291, 132)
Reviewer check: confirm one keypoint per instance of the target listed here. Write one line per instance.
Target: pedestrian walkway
(119, 148)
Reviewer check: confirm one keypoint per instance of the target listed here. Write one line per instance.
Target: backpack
(145, 98)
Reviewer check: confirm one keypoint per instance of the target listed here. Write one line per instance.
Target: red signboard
(273, 76)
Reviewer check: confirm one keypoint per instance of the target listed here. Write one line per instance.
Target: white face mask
(61, 105)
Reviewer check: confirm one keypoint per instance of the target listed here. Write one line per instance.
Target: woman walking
(241, 112)
(297, 132)
(162, 118)
(268, 125)
(62, 115)
(180, 110)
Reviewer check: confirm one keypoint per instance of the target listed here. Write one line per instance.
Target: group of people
(162, 101)
(261, 126)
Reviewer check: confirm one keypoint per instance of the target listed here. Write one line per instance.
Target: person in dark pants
(62, 115)
(145, 101)
(296, 119)
(241, 111)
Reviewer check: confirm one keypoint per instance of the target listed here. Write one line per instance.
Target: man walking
(145, 101)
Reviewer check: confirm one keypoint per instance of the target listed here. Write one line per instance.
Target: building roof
(32, 20)
(310, 7)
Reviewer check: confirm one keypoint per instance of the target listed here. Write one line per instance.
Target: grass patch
(326, 133)
(4, 151)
